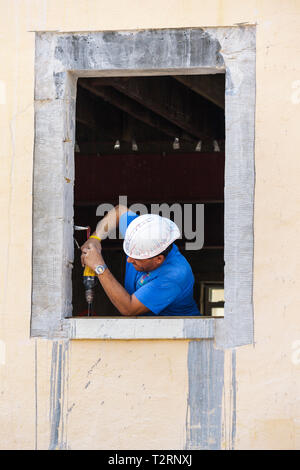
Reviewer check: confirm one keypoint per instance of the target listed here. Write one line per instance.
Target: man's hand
(91, 242)
(91, 254)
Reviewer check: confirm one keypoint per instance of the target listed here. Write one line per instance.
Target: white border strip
(141, 328)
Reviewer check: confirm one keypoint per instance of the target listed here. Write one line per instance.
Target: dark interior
(155, 140)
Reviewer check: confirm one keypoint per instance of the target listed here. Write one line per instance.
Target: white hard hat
(149, 235)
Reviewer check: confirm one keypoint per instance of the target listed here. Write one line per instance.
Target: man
(158, 279)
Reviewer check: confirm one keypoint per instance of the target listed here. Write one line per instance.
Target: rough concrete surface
(60, 58)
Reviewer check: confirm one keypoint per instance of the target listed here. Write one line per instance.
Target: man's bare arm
(109, 222)
(127, 304)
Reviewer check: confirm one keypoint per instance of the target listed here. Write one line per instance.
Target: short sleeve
(125, 220)
(158, 294)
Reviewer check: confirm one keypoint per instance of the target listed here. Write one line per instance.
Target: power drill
(89, 276)
(89, 282)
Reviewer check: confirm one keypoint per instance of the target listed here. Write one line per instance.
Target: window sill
(142, 328)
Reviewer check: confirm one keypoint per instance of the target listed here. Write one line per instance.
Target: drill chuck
(89, 283)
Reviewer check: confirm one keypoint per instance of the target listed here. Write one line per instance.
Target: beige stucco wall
(133, 394)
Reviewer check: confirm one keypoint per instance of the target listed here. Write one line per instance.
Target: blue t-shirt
(168, 290)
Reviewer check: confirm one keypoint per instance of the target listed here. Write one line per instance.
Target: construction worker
(158, 279)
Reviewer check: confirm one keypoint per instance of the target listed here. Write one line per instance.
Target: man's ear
(160, 259)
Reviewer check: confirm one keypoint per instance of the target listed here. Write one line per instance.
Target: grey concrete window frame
(60, 59)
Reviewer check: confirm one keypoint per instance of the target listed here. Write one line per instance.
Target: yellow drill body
(89, 282)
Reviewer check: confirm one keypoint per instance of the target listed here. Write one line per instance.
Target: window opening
(156, 140)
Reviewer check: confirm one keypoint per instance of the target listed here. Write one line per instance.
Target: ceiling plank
(134, 109)
(211, 87)
(172, 101)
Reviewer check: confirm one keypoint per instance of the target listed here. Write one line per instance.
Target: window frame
(61, 58)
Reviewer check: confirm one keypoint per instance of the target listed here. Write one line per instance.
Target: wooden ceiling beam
(211, 87)
(170, 100)
(134, 109)
(85, 110)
